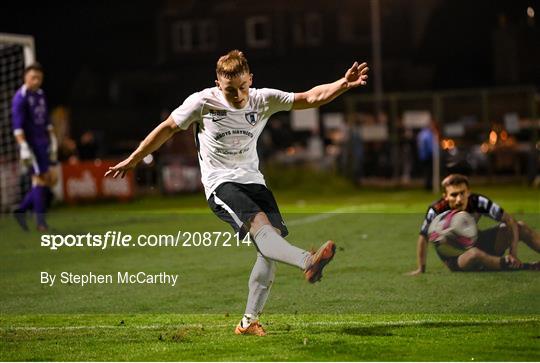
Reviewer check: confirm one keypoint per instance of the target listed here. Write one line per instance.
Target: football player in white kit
(228, 120)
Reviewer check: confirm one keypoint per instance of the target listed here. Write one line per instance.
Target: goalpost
(16, 52)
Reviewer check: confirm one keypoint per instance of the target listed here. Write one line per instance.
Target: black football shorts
(237, 204)
(485, 242)
(487, 238)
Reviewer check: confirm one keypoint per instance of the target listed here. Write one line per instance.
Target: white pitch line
(320, 216)
(417, 322)
(396, 323)
(95, 327)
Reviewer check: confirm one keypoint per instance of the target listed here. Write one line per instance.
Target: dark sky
(109, 37)
(72, 35)
(459, 41)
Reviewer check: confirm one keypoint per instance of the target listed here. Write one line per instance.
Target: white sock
(260, 282)
(273, 246)
(248, 319)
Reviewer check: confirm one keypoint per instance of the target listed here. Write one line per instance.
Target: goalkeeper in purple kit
(37, 144)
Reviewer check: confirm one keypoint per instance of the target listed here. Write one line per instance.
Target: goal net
(16, 52)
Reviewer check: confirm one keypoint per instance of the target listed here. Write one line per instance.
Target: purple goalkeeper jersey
(30, 114)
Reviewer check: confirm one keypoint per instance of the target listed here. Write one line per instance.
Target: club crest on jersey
(251, 117)
(218, 115)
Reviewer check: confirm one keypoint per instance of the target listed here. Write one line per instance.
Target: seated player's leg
(451, 263)
(495, 241)
(474, 259)
(464, 260)
(529, 236)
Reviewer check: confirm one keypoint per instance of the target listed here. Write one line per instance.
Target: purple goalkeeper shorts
(42, 162)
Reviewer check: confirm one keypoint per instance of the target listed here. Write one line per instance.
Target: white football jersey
(226, 137)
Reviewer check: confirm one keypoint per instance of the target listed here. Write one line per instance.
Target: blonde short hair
(232, 64)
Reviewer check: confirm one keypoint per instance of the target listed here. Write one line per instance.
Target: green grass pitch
(365, 308)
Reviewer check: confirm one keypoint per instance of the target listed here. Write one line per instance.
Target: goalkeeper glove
(27, 156)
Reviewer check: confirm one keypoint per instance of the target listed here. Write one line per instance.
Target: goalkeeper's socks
(248, 319)
(271, 245)
(27, 201)
(40, 204)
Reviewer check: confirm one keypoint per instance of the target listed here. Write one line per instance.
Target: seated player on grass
(228, 120)
(492, 243)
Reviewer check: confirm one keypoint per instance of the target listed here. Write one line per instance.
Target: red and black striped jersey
(478, 205)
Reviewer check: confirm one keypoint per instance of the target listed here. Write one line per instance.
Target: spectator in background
(88, 146)
(281, 135)
(406, 155)
(68, 150)
(352, 155)
(357, 153)
(425, 140)
(315, 147)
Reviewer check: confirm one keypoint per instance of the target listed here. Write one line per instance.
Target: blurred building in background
(473, 67)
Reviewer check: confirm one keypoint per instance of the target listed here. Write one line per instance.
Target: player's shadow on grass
(384, 330)
(374, 331)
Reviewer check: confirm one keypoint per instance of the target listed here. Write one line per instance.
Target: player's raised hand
(357, 75)
(121, 168)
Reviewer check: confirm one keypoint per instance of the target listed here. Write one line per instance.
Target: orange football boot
(254, 328)
(320, 259)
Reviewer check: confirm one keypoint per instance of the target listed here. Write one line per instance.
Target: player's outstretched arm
(421, 252)
(317, 96)
(513, 226)
(152, 142)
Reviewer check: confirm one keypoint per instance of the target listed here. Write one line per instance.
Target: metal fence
(482, 132)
